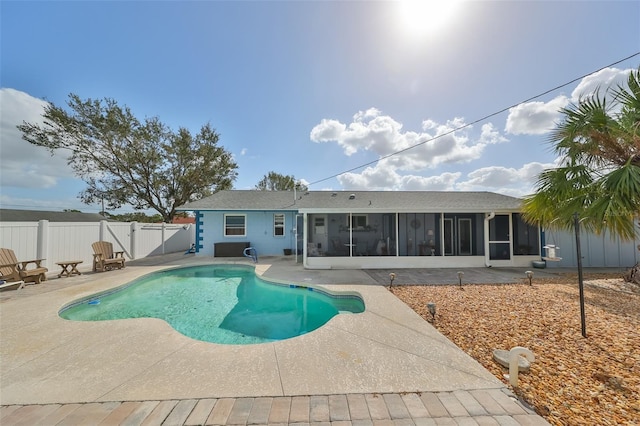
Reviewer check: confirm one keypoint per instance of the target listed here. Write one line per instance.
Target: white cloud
(505, 180)
(327, 130)
(489, 135)
(243, 151)
(372, 179)
(443, 182)
(24, 165)
(601, 80)
(435, 144)
(516, 182)
(537, 118)
(383, 177)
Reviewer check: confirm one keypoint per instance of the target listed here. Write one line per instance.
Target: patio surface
(384, 365)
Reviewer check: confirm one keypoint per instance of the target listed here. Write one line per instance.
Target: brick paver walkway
(477, 407)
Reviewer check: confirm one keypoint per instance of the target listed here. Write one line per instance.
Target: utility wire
(486, 117)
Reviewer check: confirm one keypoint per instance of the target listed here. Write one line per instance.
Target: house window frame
(448, 236)
(465, 229)
(352, 219)
(227, 227)
(277, 226)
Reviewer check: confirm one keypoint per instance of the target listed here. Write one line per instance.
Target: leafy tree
(599, 176)
(124, 160)
(136, 217)
(273, 181)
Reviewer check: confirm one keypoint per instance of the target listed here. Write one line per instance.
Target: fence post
(42, 248)
(133, 240)
(103, 229)
(163, 227)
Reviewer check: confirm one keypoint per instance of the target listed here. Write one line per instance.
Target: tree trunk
(633, 275)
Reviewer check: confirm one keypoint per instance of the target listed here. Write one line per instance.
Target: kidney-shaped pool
(225, 304)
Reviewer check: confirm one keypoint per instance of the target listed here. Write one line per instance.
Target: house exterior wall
(598, 251)
(512, 244)
(387, 229)
(416, 240)
(259, 232)
(408, 239)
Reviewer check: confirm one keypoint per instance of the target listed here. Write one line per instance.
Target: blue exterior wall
(259, 232)
(597, 250)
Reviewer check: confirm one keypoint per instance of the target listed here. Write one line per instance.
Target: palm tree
(598, 144)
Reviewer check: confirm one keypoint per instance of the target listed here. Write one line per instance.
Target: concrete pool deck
(388, 349)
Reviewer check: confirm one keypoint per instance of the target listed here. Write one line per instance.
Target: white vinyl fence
(64, 241)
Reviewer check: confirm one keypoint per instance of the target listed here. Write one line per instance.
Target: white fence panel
(154, 239)
(72, 241)
(21, 237)
(119, 234)
(64, 241)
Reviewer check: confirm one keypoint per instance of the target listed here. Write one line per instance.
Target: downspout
(487, 218)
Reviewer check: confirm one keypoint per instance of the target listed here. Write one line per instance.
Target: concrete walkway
(384, 366)
(477, 407)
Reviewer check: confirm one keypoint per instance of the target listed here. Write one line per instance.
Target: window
(358, 221)
(448, 236)
(278, 224)
(235, 225)
(319, 225)
(464, 237)
(525, 237)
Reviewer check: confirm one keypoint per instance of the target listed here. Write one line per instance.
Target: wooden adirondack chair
(12, 270)
(104, 258)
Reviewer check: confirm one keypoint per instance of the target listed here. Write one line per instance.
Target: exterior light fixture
(529, 275)
(431, 307)
(460, 275)
(392, 276)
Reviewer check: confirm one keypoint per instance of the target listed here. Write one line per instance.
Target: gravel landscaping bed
(574, 380)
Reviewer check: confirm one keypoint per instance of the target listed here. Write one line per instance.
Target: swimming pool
(225, 304)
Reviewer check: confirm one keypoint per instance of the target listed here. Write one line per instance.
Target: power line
(486, 117)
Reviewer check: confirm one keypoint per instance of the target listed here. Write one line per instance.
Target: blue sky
(315, 88)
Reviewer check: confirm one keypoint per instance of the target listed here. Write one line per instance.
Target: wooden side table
(69, 268)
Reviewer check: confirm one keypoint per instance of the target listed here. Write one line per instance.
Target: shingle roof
(357, 201)
(12, 215)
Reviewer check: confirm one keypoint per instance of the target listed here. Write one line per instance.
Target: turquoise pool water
(218, 304)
